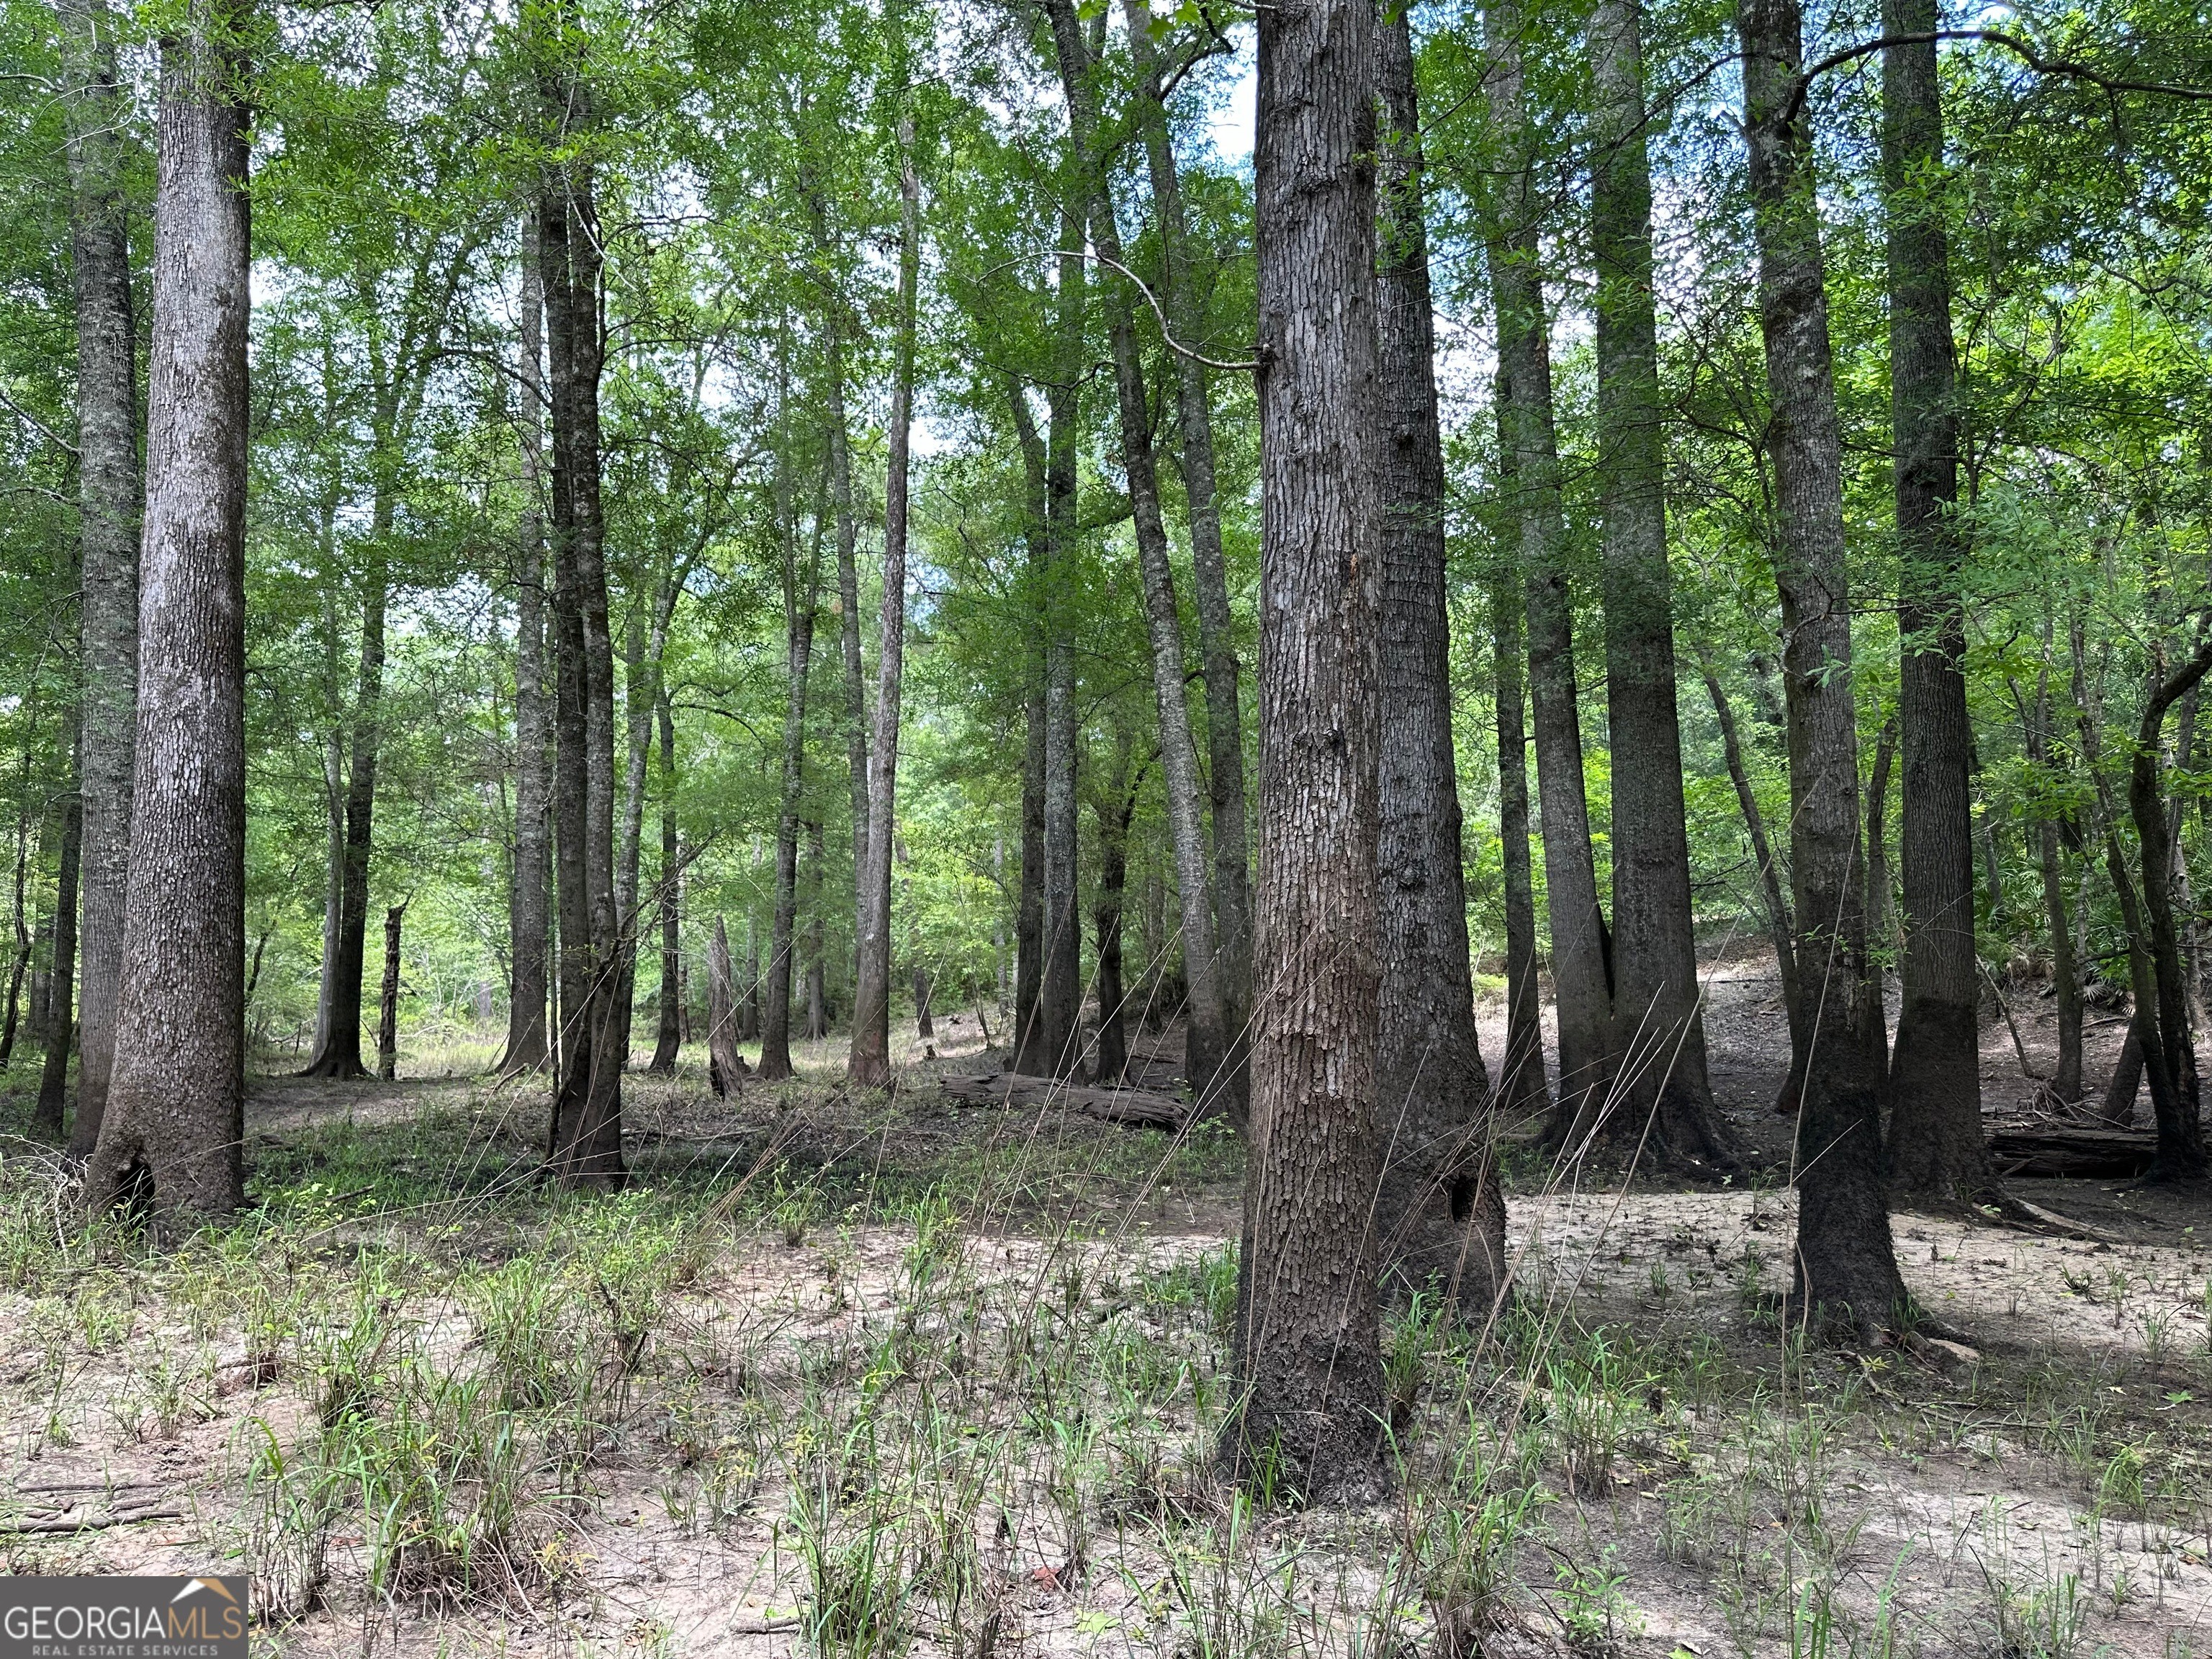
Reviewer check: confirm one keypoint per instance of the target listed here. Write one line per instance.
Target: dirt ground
(833, 1347)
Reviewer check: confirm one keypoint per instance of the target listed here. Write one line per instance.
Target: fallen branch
(1139, 1108)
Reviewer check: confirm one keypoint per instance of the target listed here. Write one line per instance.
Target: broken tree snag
(1137, 1107)
(725, 1067)
(2082, 1154)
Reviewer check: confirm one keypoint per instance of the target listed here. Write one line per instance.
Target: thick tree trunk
(1775, 901)
(801, 596)
(725, 1067)
(1938, 1153)
(2125, 1082)
(1522, 1092)
(1205, 1041)
(387, 1007)
(53, 1078)
(109, 504)
(1225, 720)
(585, 1147)
(668, 1040)
(1440, 1215)
(175, 1111)
(528, 915)
(1667, 1101)
(1305, 1351)
(1846, 1273)
(869, 1065)
(1581, 975)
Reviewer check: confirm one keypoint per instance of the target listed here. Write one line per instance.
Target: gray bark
(801, 595)
(528, 912)
(58, 1027)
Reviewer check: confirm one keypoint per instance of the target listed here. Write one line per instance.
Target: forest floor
(860, 1373)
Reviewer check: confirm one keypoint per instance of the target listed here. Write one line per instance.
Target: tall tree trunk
(53, 1079)
(341, 1054)
(528, 910)
(1114, 806)
(1877, 841)
(869, 1065)
(725, 1067)
(748, 1005)
(1846, 1275)
(801, 595)
(817, 963)
(109, 504)
(1938, 1153)
(848, 573)
(1522, 1090)
(1204, 1043)
(668, 1040)
(1305, 1349)
(2065, 971)
(387, 1005)
(1029, 912)
(175, 1111)
(586, 1143)
(1441, 1215)
(1581, 976)
(1777, 904)
(1225, 720)
(1666, 1104)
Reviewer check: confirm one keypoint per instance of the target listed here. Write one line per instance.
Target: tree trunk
(725, 1067)
(1580, 975)
(869, 1065)
(1440, 1215)
(2126, 1081)
(1938, 1153)
(175, 1113)
(1522, 1092)
(2065, 969)
(586, 1143)
(817, 963)
(801, 595)
(748, 1005)
(387, 1018)
(109, 504)
(1778, 924)
(1846, 1272)
(1305, 1350)
(528, 910)
(53, 1078)
(1029, 915)
(1224, 729)
(1204, 1043)
(341, 1056)
(848, 573)
(1114, 806)
(1877, 839)
(668, 1040)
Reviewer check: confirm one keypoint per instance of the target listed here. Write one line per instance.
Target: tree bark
(849, 574)
(1581, 976)
(53, 1078)
(1305, 1351)
(2065, 969)
(528, 916)
(1114, 806)
(1522, 1092)
(1441, 1214)
(1206, 1040)
(1938, 1153)
(1877, 839)
(801, 596)
(1029, 913)
(869, 1065)
(341, 1056)
(387, 1014)
(1666, 1104)
(725, 1067)
(170, 1138)
(108, 506)
(1846, 1275)
(817, 961)
(668, 1040)
(1224, 727)
(585, 1147)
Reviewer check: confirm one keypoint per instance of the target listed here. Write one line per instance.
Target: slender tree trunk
(108, 506)
(1224, 729)
(1305, 1349)
(748, 1005)
(1581, 976)
(53, 1079)
(2121, 1088)
(869, 1065)
(1938, 1153)
(801, 592)
(2065, 969)
(725, 1067)
(1441, 1215)
(1029, 915)
(1776, 902)
(341, 1056)
(1667, 1103)
(527, 910)
(669, 1040)
(818, 962)
(1114, 806)
(387, 1018)
(1206, 1040)
(1522, 1092)
(1846, 1272)
(848, 571)
(1877, 838)
(175, 1110)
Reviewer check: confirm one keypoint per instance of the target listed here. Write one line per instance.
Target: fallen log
(2080, 1153)
(1138, 1108)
